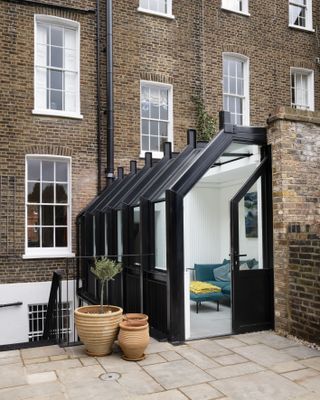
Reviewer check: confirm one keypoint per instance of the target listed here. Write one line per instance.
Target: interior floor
(209, 321)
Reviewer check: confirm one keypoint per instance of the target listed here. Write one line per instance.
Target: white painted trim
(57, 252)
(155, 13)
(159, 154)
(63, 22)
(246, 76)
(245, 14)
(302, 28)
(225, 5)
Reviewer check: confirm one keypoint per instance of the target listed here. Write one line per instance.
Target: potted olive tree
(98, 325)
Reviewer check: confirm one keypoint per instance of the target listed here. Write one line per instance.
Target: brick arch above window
(49, 150)
(230, 48)
(155, 77)
(302, 64)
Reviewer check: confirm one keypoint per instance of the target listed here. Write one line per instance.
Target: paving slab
(36, 360)
(36, 352)
(249, 338)
(234, 370)
(139, 383)
(157, 347)
(76, 351)
(275, 341)
(52, 366)
(209, 348)
(12, 376)
(201, 392)
(81, 375)
(301, 374)
(11, 360)
(99, 391)
(229, 343)
(167, 395)
(41, 377)
(174, 374)
(197, 358)
(230, 360)
(312, 363)
(114, 363)
(265, 385)
(9, 353)
(302, 352)
(152, 359)
(86, 361)
(170, 355)
(263, 355)
(287, 367)
(42, 391)
(312, 384)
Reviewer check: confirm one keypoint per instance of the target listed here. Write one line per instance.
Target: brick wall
(23, 133)
(187, 52)
(295, 139)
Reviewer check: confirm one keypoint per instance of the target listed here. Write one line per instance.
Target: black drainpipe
(110, 119)
(98, 97)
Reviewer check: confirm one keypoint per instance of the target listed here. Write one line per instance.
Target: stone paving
(245, 367)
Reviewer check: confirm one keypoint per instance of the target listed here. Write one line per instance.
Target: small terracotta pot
(135, 317)
(133, 340)
(98, 331)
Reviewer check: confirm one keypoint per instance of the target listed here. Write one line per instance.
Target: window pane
(70, 102)
(61, 237)
(154, 128)
(47, 215)
(41, 55)
(33, 170)
(145, 127)
(145, 102)
(55, 100)
(61, 171)
(33, 192)
(154, 146)
(48, 171)
(42, 34)
(232, 67)
(57, 57)
(154, 101)
(70, 82)
(70, 59)
(33, 237)
(47, 237)
(33, 215)
(164, 104)
(56, 36)
(163, 129)
(70, 38)
(144, 4)
(145, 143)
(160, 235)
(61, 193)
(56, 79)
(47, 193)
(233, 85)
(61, 215)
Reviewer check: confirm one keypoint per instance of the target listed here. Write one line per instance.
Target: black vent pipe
(110, 105)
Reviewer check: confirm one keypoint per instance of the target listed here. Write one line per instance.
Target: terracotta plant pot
(133, 340)
(135, 317)
(98, 331)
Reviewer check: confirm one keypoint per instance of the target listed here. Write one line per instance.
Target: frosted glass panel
(160, 235)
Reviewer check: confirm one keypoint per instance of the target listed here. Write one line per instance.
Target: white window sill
(58, 255)
(301, 28)
(54, 113)
(155, 13)
(246, 14)
(155, 154)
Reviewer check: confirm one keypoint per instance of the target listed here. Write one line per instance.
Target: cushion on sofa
(222, 273)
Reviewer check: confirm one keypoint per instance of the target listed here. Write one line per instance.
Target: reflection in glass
(61, 171)
(47, 193)
(61, 215)
(33, 215)
(61, 193)
(33, 237)
(160, 235)
(47, 215)
(48, 171)
(61, 237)
(33, 170)
(33, 192)
(47, 237)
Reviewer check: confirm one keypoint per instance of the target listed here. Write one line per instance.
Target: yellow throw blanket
(199, 287)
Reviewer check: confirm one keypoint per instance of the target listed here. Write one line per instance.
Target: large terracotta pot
(133, 340)
(98, 331)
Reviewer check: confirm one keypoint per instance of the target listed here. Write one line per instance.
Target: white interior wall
(14, 321)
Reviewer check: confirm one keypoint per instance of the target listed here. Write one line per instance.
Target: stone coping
(295, 115)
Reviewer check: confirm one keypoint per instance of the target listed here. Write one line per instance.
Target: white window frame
(309, 23)
(168, 14)
(246, 84)
(66, 23)
(158, 154)
(309, 73)
(49, 252)
(234, 6)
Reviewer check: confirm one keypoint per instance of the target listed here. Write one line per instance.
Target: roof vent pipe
(133, 167)
(192, 138)
(110, 116)
(120, 173)
(148, 159)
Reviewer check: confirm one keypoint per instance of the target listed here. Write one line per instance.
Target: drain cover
(110, 376)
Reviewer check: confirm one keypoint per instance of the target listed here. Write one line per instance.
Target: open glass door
(251, 254)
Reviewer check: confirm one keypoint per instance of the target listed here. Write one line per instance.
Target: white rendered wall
(14, 321)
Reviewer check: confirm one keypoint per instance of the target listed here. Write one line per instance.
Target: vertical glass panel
(154, 143)
(160, 235)
(56, 57)
(61, 237)
(145, 143)
(47, 193)
(164, 104)
(33, 170)
(163, 131)
(61, 215)
(119, 234)
(136, 234)
(233, 86)
(61, 171)
(145, 127)
(61, 193)
(48, 171)
(47, 237)
(250, 229)
(47, 215)
(154, 101)
(33, 192)
(225, 84)
(33, 237)
(56, 36)
(232, 68)
(33, 215)
(154, 128)
(56, 79)
(56, 100)
(145, 106)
